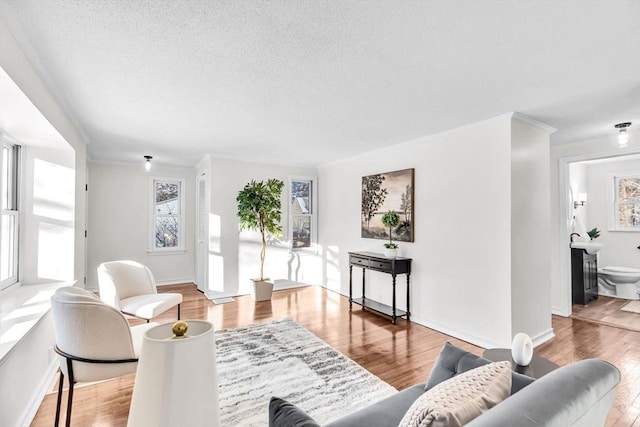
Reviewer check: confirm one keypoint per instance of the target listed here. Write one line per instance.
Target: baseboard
(31, 410)
(175, 282)
(543, 337)
(213, 294)
(280, 285)
(455, 333)
(559, 312)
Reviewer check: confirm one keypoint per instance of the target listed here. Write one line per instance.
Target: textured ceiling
(309, 82)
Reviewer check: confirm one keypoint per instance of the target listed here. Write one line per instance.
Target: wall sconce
(582, 198)
(623, 136)
(147, 163)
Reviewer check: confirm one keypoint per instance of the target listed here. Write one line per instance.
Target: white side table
(176, 381)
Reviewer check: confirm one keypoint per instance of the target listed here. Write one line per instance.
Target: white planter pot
(522, 349)
(261, 290)
(390, 253)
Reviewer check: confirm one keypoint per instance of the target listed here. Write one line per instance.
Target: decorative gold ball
(180, 328)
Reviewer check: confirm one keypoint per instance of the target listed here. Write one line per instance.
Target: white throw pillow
(460, 399)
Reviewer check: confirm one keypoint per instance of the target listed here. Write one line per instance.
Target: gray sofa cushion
(453, 361)
(579, 394)
(388, 412)
(285, 414)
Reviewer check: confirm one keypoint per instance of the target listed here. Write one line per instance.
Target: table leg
(350, 286)
(363, 298)
(408, 298)
(393, 306)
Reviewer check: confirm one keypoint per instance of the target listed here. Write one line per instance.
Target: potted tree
(391, 219)
(259, 209)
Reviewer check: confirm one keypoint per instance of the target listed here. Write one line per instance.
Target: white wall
(480, 260)
(530, 262)
(26, 374)
(620, 247)
(578, 184)
(461, 276)
(21, 388)
(19, 68)
(119, 215)
(47, 249)
(561, 212)
(233, 257)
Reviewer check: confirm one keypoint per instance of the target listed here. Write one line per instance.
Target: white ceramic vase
(390, 253)
(522, 349)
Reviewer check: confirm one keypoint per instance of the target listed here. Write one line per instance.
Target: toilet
(619, 282)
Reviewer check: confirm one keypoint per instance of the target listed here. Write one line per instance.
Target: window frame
(14, 208)
(613, 211)
(313, 247)
(181, 247)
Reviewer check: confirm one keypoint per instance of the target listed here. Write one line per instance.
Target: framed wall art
(383, 192)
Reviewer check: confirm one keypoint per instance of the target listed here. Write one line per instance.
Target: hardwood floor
(400, 354)
(607, 310)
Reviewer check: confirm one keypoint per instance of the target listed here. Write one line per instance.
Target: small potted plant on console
(391, 219)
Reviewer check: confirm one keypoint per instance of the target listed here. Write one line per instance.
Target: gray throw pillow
(453, 360)
(285, 414)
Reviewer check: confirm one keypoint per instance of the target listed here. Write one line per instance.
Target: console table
(378, 262)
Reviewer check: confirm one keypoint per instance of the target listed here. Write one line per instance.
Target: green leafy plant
(391, 219)
(594, 233)
(259, 209)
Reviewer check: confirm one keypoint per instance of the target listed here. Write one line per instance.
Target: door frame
(565, 208)
(201, 264)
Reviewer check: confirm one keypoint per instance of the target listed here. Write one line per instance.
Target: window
(626, 202)
(9, 223)
(302, 213)
(167, 217)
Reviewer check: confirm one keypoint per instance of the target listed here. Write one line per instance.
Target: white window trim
(6, 140)
(612, 211)
(314, 214)
(152, 249)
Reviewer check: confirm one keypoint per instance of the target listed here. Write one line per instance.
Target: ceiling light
(147, 163)
(623, 136)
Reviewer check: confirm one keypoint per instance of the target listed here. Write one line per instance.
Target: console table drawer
(380, 265)
(355, 260)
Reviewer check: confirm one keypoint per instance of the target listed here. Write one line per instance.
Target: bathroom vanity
(584, 276)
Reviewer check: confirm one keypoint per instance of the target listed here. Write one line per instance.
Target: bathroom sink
(589, 247)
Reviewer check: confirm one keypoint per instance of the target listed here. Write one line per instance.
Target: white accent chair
(94, 341)
(129, 286)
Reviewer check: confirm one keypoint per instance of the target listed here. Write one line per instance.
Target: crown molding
(527, 119)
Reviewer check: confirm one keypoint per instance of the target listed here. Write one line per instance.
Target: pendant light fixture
(147, 163)
(623, 136)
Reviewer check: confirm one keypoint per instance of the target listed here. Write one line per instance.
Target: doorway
(574, 198)
(201, 233)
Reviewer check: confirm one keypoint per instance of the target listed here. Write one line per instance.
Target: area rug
(632, 306)
(284, 359)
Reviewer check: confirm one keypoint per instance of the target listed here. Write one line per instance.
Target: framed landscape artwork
(383, 192)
